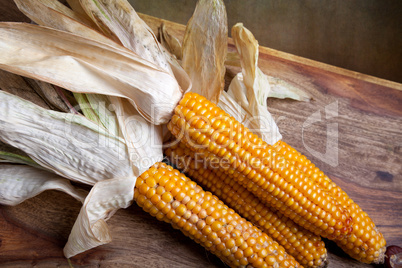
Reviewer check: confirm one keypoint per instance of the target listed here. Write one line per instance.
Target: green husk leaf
(17, 159)
(86, 108)
(102, 107)
(205, 48)
(19, 183)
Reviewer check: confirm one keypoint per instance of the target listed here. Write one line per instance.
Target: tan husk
(87, 66)
(105, 198)
(204, 54)
(171, 43)
(55, 15)
(48, 94)
(250, 88)
(75, 5)
(120, 22)
(140, 37)
(118, 18)
(205, 47)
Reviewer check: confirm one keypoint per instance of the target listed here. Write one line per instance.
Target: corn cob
(207, 129)
(365, 243)
(305, 247)
(170, 196)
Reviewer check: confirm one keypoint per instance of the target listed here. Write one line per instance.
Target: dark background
(359, 35)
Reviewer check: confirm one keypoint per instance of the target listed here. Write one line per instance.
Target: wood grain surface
(363, 113)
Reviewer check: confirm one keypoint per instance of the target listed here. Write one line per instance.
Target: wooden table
(365, 117)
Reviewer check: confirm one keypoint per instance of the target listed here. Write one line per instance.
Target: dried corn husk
(250, 89)
(76, 148)
(90, 229)
(143, 140)
(70, 145)
(279, 88)
(171, 43)
(56, 15)
(105, 198)
(253, 79)
(49, 95)
(143, 38)
(87, 66)
(75, 5)
(118, 18)
(203, 59)
(205, 47)
(19, 183)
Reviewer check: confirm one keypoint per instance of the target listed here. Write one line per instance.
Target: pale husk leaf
(281, 89)
(118, 18)
(232, 107)
(19, 183)
(53, 14)
(257, 85)
(105, 198)
(70, 145)
(262, 125)
(205, 48)
(87, 66)
(143, 139)
(251, 87)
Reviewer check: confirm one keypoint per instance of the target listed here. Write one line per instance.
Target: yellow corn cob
(207, 129)
(365, 243)
(305, 247)
(170, 196)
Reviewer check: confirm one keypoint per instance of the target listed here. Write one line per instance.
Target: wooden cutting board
(362, 114)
